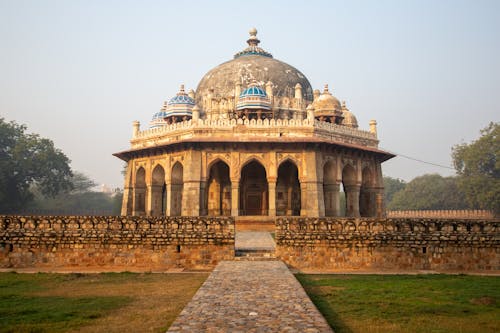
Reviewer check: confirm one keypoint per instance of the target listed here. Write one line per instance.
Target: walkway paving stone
(250, 296)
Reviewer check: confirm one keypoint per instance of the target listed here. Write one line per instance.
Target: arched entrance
(253, 190)
(288, 190)
(367, 195)
(158, 192)
(176, 190)
(219, 190)
(351, 191)
(140, 192)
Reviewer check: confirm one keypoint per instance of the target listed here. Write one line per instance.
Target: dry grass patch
(147, 302)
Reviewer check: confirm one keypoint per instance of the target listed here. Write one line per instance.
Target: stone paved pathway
(250, 296)
(254, 240)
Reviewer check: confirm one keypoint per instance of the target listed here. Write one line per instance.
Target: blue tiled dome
(159, 115)
(253, 91)
(254, 97)
(181, 99)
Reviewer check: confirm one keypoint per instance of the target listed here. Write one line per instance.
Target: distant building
(254, 139)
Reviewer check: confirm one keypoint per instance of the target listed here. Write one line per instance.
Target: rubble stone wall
(345, 244)
(138, 243)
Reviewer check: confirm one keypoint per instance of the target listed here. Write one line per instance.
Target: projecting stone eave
(127, 155)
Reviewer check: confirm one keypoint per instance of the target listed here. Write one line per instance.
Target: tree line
(36, 178)
(476, 185)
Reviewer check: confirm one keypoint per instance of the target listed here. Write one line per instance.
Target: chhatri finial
(325, 90)
(344, 107)
(253, 40)
(181, 90)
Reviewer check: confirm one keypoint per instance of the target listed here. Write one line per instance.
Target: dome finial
(253, 40)
(325, 90)
(253, 46)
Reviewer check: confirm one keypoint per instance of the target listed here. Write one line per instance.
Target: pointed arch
(177, 187)
(158, 191)
(288, 189)
(254, 196)
(140, 192)
(257, 159)
(218, 189)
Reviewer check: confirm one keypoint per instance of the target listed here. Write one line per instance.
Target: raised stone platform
(254, 223)
(250, 296)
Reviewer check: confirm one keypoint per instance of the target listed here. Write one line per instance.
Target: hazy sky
(79, 72)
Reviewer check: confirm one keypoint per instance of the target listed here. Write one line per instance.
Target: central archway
(254, 196)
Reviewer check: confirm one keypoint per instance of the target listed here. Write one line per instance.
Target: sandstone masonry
(388, 244)
(315, 244)
(115, 241)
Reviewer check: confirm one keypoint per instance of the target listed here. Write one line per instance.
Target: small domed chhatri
(327, 107)
(254, 139)
(253, 102)
(348, 118)
(178, 108)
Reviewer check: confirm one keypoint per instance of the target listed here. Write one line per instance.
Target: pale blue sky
(79, 72)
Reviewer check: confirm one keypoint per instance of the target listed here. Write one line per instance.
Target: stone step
(254, 253)
(255, 259)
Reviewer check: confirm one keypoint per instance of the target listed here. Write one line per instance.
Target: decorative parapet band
(273, 128)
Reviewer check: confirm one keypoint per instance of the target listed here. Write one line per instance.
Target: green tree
(391, 187)
(81, 183)
(429, 192)
(25, 160)
(478, 167)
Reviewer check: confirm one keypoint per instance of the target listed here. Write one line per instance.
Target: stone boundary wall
(346, 244)
(441, 214)
(109, 242)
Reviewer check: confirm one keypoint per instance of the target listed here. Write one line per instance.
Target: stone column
(203, 198)
(352, 200)
(331, 199)
(272, 197)
(310, 195)
(127, 201)
(235, 197)
(149, 200)
(140, 198)
(168, 206)
(379, 198)
(191, 184)
(191, 198)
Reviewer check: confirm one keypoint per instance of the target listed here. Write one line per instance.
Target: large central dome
(253, 64)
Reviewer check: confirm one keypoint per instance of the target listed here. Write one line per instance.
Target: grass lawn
(110, 302)
(406, 303)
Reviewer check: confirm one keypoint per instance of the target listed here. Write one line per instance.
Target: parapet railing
(442, 214)
(171, 129)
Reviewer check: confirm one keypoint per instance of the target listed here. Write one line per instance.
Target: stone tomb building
(254, 139)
